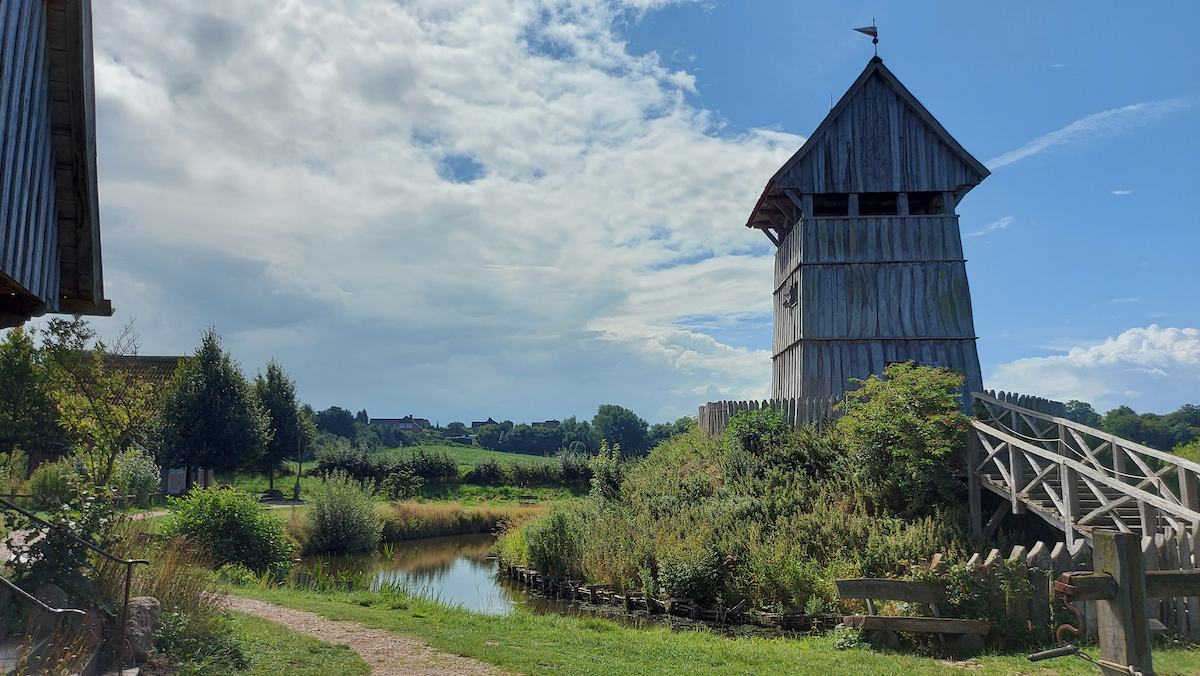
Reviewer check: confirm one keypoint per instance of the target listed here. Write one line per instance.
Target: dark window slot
(924, 203)
(878, 204)
(831, 206)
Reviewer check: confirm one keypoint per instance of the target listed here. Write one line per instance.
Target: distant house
(407, 423)
(49, 210)
(549, 424)
(157, 371)
(475, 425)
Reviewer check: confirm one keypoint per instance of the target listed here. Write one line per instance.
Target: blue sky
(526, 208)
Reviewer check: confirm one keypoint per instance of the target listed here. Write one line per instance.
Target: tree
(336, 420)
(104, 407)
(578, 436)
(28, 415)
(291, 429)
(1082, 413)
(531, 440)
(491, 436)
(660, 432)
(622, 427)
(901, 431)
(211, 417)
(456, 429)
(362, 417)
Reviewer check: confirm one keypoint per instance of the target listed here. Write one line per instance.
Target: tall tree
(336, 420)
(211, 417)
(291, 429)
(619, 425)
(28, 416)
(104, 407)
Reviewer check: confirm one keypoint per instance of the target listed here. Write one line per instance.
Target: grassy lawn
(551, 644)
(275, 650)
(469, 455)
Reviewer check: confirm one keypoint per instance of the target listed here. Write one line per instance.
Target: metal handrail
(128, 563)
(29, 598)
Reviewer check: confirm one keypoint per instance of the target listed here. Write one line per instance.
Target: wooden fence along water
(1035, 605)
(714, 416)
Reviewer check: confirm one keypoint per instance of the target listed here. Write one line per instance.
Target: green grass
(275, 650)
(552, 644)
(467, 456)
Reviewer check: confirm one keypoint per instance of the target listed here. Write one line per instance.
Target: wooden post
(1040, 582)
(1070, 497)
(974, 497)
(1016, 470)
(1124, 629)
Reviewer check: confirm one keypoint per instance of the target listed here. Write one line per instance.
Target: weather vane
(873, 32)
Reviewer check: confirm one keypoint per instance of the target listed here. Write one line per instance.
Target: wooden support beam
(1069, 480)
(974, 490)
(994, 522)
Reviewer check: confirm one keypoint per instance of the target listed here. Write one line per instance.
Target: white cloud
(1150, 369)
(1122, 192)
(994, 226)
(443, 207)
(1096, 125)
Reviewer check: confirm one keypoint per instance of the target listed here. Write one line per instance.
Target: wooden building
(869, 268)
(49, 212)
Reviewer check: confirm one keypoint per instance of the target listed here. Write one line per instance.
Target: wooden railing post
(1069, 480)
(1124, 628)
(974, 497)
(1187, 494)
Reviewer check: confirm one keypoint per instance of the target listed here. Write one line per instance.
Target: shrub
(90, 515)
(433, 466)
(607, 472)
(402, 483)
(136, 474)
(756, 431)
(340, 456)
(524, 474)
(342, 516)
(553, 543)
(573, 468)
(54, 483)
(233, 526)
(487, 472)
(901, 432)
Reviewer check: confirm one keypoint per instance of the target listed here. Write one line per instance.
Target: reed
(415, 520)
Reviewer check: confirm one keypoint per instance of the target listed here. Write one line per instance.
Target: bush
(136, 474)
(901, 433)
(402, 483)
(432, 466)
(54, 483)
(553, 543)
(233, 526)
(342, 516)
(607, 472)
(573, 468)
(340, 456)
(487, 472)
(756, 431)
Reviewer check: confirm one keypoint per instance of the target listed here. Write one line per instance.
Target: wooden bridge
(1075, 477)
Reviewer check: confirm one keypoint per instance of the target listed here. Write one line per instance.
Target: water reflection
(453, 570)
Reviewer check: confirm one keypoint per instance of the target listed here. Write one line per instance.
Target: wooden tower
(869, 268)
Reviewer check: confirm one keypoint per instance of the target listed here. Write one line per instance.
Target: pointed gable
(878, 138)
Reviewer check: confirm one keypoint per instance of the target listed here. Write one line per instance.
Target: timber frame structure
(49, 209)
(869, 266)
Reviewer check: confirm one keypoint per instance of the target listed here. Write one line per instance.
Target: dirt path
(137, 516)
(389, 654)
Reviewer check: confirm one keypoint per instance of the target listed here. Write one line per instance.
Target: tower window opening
(924, 203)
(831, 206)
(878, 204)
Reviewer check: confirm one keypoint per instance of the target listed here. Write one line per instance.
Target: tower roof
(878, 138)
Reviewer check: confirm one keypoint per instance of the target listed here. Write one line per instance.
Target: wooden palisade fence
(715, 415)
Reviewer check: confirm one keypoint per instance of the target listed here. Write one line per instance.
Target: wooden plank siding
(29, 255)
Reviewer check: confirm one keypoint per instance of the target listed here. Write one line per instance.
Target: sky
(524, 209)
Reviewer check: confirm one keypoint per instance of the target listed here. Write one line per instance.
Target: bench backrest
(891, 590)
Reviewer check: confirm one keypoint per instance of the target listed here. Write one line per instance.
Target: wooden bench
(876, 589)
(527, 500)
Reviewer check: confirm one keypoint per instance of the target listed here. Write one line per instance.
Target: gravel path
(389, 654)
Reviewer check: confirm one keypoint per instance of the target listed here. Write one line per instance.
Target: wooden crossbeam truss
(1078, 478)
(777, 212)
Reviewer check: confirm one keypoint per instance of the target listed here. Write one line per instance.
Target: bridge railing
(1069, 460)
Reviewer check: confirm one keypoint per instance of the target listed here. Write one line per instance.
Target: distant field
(469, 455)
